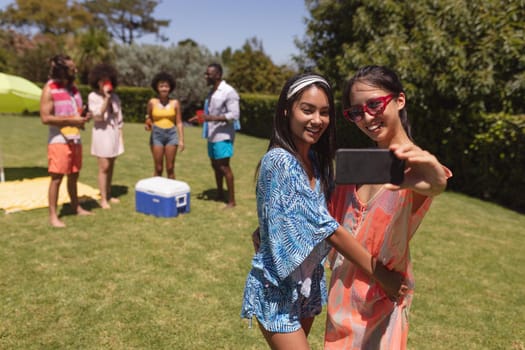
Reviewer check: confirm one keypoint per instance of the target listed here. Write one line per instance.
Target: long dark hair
(58, 67)
(324, 149)
(383, 78)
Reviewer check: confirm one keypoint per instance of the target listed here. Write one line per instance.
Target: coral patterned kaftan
(359, 314)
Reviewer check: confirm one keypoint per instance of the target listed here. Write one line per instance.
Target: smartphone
(368, 166)
(85, 110)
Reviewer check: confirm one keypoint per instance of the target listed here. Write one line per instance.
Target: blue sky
(218, 24)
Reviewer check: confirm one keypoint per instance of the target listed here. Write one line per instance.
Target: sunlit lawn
(123, 280)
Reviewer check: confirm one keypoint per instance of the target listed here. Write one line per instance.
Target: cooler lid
(162, 186)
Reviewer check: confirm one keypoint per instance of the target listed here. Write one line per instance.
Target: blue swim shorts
(220, 150)
(163, 137)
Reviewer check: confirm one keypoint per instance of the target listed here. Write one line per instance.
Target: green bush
(257, 117)
(486, 153)
(495, 160)
(257, 114)
(134, 102)
(133, 99)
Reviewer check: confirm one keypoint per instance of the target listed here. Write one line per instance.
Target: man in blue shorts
(221, 116)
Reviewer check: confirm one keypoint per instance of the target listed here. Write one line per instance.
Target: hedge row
(134, 101)
(485, 153)
(494, 164)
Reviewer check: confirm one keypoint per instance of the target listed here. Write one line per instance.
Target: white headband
(305, 81)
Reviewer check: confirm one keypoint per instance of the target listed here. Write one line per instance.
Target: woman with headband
(285, 288)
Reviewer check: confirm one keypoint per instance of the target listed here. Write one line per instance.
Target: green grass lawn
(123, 280)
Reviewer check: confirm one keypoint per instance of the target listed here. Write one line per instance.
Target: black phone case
(85, 110)
(368, 166)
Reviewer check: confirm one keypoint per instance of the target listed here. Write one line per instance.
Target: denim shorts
(163, 137)
(220, 150)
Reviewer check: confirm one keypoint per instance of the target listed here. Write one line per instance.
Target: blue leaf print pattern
(286, 282)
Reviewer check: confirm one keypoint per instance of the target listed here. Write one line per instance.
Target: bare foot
(229, 206)
(105, 205)
(114, 200)
(56, 222)
(83, 212)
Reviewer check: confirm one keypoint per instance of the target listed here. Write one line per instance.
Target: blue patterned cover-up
(286, 282)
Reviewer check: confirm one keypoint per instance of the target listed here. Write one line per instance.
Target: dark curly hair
(163, 76)
(102, 71)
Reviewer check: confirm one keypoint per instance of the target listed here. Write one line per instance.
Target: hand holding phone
(85, 111)
(108, 87)
(368, 166)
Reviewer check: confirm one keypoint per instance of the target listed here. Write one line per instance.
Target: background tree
(33, 57)
(39, 29)
(27, 56)
(127, 20)
(55, 17)
(189, 42)
(327, 30)
(5, 54)
(226, 56)
(90, 48)
(137, 64)
(467, 54)
(251, 70)
(458, 60)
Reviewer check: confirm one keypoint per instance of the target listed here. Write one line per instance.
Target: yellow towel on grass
(30, 194)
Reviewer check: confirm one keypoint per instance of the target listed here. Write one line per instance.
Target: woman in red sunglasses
(383, 217)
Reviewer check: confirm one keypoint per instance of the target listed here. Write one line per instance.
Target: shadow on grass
(119, 190)
(89, 203)
(12, 174)
(211, 195)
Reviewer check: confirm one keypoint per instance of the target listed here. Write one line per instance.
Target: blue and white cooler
(159, 196)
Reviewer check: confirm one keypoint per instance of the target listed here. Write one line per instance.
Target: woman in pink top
(107, 141)
(382, 217)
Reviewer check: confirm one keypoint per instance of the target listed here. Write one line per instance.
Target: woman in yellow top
(164, 120)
